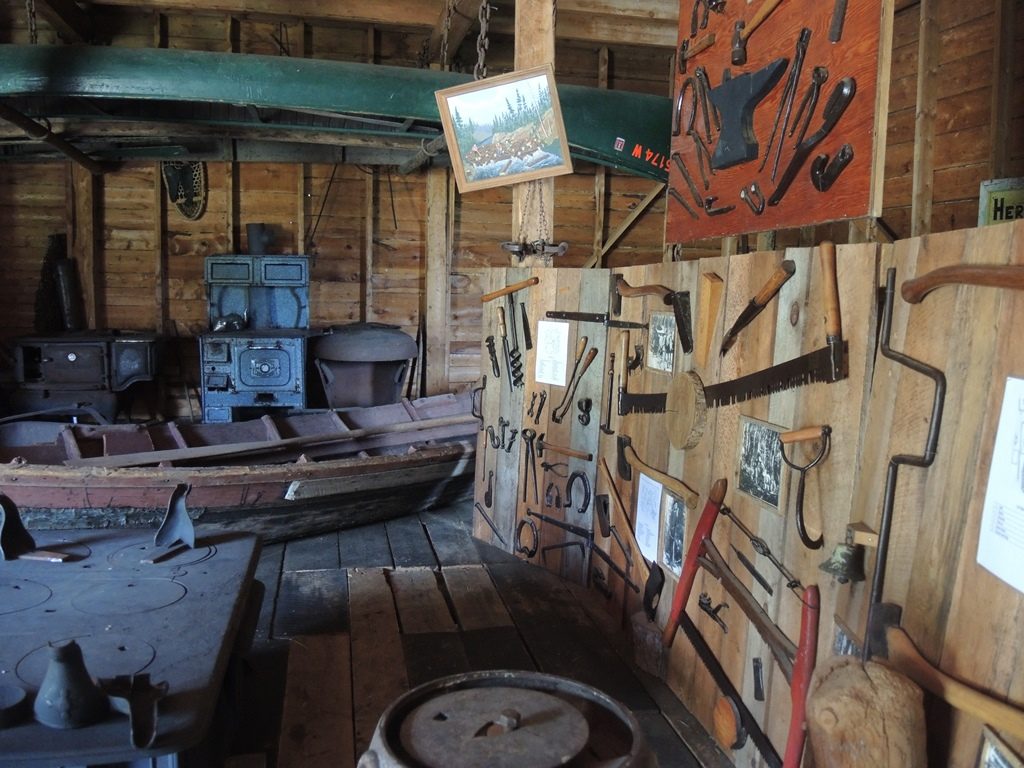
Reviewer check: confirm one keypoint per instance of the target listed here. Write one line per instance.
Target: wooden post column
(533, 202)
(438, 281)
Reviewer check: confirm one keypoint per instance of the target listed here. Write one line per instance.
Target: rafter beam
(404, 13)
(464, 16)
(73, 25)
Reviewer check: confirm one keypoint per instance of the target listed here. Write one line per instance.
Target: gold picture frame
(505, 129)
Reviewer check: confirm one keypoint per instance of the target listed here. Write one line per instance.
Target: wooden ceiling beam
(396, 13)
(603, 29)
(73, 25)
(463, 18)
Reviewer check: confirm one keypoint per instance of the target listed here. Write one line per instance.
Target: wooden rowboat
(280, 477)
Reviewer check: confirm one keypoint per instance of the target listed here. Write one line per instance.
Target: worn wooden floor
(367, 613)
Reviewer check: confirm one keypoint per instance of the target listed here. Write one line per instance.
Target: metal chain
(480, 70)
(33, 32)
(444, 38)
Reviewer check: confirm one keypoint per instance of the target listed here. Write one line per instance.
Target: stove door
(265, 368)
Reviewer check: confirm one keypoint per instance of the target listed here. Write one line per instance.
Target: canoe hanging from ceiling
(620, 129)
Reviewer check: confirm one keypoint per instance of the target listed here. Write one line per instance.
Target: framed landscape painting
(505, 129)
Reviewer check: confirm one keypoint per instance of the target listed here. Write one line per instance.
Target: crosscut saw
(688, 399)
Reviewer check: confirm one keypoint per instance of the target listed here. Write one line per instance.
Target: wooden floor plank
(313, 553)
(451, 538)
(410, 546)
(421, 603)
(496, 648)
(561, 637)
(477, 603)
(664, 742)
(682, 721)
(311, 603)
(430, 655)
(365, 546)
(268, 570)
(316, 725)
(378, 674)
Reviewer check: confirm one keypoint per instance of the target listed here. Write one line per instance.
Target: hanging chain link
(444, 37)
(30, 11)
(480, 70)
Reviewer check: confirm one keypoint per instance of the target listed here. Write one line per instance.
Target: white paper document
(648, 513)
(552, 352)
(1001, 543)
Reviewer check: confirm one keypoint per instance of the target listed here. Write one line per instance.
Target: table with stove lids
(177, 620)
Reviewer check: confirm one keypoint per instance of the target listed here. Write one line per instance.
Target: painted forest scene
(507, 129)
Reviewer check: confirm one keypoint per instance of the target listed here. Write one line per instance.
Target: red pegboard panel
(855, 55)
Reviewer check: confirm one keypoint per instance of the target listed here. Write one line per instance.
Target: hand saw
(688, 398)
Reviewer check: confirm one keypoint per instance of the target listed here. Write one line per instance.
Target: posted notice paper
(1001, 543)
(648, 513)
(552, 350)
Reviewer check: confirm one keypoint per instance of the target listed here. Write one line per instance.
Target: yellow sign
(1001, 200)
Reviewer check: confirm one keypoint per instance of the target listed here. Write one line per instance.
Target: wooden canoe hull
(277, 502)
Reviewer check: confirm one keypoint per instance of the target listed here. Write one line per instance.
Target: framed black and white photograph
(505, 129)
(995, 753)
(673, 534)
(760, 460)
(661, 341)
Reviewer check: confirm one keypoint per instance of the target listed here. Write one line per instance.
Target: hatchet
(678, 300)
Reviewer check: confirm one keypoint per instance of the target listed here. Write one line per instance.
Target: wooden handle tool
(988, 275)
(509, 289)
(800, 435)
(833, 319)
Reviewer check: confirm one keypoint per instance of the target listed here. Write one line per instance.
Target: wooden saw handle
(904, 657)
(509, 289)
(988, 275)
(833, 320)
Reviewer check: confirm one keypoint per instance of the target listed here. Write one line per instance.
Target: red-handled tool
(703, 531)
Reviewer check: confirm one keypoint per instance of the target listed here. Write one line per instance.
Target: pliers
(809, 102)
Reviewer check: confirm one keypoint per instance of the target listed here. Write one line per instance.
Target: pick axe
(743, 30)
(678, 300)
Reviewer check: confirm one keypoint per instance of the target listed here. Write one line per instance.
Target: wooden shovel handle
(833, 320)
(509, 289)
(800, 435)
(581, 347)
(904, 656)
(988, 275)
(775, 282)
(632, 291)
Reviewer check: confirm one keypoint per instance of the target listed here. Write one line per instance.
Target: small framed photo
(505, 129)
(995, 753)
(661, 341)
(760, 460)
(673, 534)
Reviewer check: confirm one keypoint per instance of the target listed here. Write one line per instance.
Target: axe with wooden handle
(678, 300)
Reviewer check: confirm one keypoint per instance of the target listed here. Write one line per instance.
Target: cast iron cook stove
(177, 621)
(258, 358)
